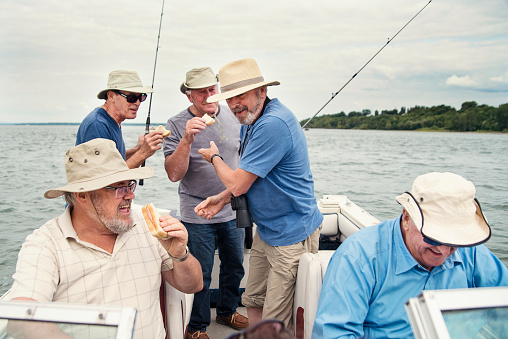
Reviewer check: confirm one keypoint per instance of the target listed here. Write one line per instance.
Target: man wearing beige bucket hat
(434, 244)
(124, 94)
(197, 181)
(275, 181)
(100, 251)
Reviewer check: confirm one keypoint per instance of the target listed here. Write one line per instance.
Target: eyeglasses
(270, 328)
(133, 98)
(122, 191)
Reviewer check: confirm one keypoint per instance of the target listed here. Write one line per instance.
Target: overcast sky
(56, 55)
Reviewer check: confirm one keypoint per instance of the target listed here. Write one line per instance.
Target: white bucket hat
(122, 80)
(444, 208)
(94, 165)
(238, 77)
(198, 78)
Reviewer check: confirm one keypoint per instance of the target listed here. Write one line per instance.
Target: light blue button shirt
(372, 275)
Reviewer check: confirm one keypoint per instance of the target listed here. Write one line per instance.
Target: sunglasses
(133, 98)
(270, 328)
(122, 191)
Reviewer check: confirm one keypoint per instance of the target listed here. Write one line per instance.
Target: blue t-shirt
(99, 124)
(281, 200)
(372, 275)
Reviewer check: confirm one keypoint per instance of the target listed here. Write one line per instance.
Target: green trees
(470, 117)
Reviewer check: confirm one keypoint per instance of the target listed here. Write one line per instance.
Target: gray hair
(69, 198)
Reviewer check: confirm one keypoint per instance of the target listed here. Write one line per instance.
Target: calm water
(370, 167)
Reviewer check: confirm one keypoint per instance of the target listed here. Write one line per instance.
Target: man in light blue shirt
(434, 244)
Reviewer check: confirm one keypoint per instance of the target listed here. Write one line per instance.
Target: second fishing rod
(365, 65)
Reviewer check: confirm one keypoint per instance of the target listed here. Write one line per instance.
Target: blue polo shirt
(281, 200)
(99, 124)
(372, 275)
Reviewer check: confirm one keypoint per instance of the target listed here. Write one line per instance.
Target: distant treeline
(470, 117)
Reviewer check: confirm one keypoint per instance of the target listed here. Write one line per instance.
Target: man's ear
(81, 197)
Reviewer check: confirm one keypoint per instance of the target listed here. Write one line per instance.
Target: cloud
(464, 81)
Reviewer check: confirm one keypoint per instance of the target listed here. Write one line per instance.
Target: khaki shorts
(272, 276)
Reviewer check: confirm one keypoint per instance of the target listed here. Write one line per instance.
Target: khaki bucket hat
(444, 208)
(122, 80)
(238, 77)
(198, 78)
(94, 165)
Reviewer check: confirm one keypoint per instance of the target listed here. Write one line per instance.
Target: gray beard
(114, 224)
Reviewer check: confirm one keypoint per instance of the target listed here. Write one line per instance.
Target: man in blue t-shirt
(434, 244)
(274, 176)
(124, 94)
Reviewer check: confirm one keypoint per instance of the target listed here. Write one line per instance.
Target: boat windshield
(460, 313)
(20, 319)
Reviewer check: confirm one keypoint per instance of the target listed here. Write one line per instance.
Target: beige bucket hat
(123, 80)
(94, 165)
(199, 78)
(238, 77)
(444, 208)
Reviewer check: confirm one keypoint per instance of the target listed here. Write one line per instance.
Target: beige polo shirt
(55, 265)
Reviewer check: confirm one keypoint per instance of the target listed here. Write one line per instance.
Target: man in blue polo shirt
(275, 177)
(124, 94)
(434, 244)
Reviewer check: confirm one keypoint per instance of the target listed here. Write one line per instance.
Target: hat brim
(237, 91)
(147, 89)
(457, 232)
(184, 88)
(98, 183)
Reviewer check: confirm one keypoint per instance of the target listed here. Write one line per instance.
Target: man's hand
(177, 232)
(208, 152)
(193, 127)
(150, 143)
(211, 206)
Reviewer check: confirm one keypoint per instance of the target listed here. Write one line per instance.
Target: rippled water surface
(370, 167)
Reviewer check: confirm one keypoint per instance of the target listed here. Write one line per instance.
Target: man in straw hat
(123, 95)
(99, 251)
(197, 181)
(275, 178)
(434, 244)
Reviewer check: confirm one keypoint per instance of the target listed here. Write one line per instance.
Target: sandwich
(165, 132)
(208, 119)
(152, 220)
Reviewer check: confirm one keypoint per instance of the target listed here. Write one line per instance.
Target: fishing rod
(354, 75)
(147, 126)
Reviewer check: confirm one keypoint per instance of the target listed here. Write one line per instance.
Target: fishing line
(379, 51)
(147, 126)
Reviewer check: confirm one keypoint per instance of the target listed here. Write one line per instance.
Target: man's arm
(237, 181)
(344, 299)
(177, 164)
(147, 145)
(186, 275)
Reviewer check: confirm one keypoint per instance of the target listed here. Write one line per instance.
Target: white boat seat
(311, 271)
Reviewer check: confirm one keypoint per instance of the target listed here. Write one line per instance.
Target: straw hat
(94, 165)
(238, 77)
(198, 78)
(122, 80)
(444, 208)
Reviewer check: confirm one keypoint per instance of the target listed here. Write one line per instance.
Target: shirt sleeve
(271, 140)
(344, 299)
(488, 270)
(36, 274)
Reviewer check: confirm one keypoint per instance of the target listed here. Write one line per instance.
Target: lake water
(370, 167)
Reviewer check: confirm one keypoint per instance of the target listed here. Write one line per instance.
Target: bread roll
(208, 120)
(165, 132)
(152, 220)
